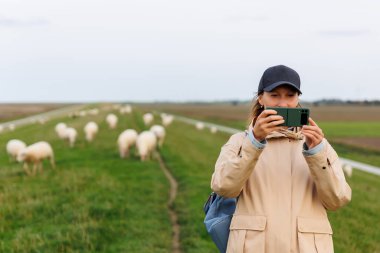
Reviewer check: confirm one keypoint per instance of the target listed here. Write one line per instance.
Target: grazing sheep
(35, 154)
(111, 120)
(347, 169)
(60, 130)
(1, 128)
(13, 148)
(166, 119)
(71, 135)
(125, 141)
(213, 129)
(90, 130)
(82, 113)
(12, 127)
(43, 120)
(148, 118)
(93, 111)
(146, 143)
(199, 125)
(126, 109)
(159, 131)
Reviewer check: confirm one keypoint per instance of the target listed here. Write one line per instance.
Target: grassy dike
(92, 202)
(96, 202)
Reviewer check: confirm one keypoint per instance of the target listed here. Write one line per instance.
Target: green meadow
(92, 202)
(96, 202)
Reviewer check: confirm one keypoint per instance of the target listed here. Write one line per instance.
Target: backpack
(218, 217)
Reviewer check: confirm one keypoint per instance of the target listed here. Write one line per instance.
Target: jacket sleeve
(235, 164)
(326, 171)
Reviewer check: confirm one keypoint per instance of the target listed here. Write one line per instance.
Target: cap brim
(275, 85)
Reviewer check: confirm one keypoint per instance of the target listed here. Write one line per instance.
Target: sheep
(13, 148)
(148, 118)
(94, 111)
(111, 120)
(35, 154)
(60, 129)
(166, 119)
(91, 129)
(82, 113)
(159, 131)
(125, 141)
(146, 143)
(213, 129)
(12, 127)
(127, 109)
(347, 169)
(70, 135)
(199, 125)
(1, 128)
(42, 120)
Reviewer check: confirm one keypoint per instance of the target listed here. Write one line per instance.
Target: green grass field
(96, 202)
(92, 202)
(333, 130)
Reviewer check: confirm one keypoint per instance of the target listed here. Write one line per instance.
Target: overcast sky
(151, 50)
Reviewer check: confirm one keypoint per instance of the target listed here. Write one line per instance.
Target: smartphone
(293, 116)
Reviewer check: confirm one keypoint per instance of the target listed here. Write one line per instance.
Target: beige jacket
(283, 195)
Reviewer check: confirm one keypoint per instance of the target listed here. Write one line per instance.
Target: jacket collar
(290, 133)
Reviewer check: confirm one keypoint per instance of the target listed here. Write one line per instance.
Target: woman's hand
(266, 123)
(313, 134)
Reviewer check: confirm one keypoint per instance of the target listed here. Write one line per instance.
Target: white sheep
(94, 111)
(35, 154)
(148, 118)
(166, 119)
(90, 130)
(160, 133)
(42, 120)
(1, 128)
(111, 120)
(13, 148)
(146, 143)
(126, 109)
(125, 141)
(213, 129)
(60, 130)
(12, 127)
(347, 169)
(70, 135)
(199, 125)
(82, 113)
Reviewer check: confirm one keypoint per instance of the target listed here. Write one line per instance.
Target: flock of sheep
(145, 142)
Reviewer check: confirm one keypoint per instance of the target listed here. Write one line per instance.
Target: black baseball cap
(279, 75)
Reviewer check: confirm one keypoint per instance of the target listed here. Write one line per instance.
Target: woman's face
(282, 96)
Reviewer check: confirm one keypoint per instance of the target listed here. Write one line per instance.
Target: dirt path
(176, 247)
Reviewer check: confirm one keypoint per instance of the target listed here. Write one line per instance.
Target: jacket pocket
(314, 235)
(247, 234)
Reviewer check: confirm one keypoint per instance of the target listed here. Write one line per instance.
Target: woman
(285, 179)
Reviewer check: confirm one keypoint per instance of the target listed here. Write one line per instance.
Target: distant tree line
(236, 102)
(345, 102)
